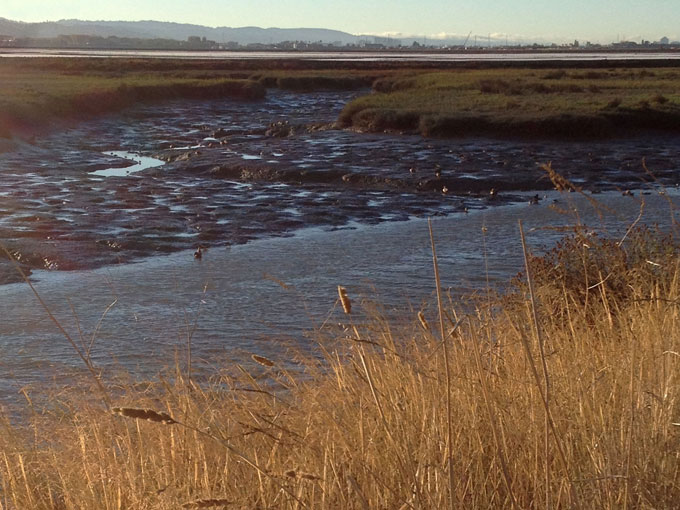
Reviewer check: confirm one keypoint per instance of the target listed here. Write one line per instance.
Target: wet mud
(167, 177)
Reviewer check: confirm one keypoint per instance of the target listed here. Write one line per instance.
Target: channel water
(108, 215)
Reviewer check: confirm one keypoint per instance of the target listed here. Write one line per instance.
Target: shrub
(586, 267)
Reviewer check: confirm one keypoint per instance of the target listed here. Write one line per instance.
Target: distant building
(625, 45)
(664, 40)
(200, 43)
(387, 42)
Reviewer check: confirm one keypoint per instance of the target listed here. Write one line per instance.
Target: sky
(551, 20)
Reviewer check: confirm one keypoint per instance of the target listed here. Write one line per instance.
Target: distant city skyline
(526, 20)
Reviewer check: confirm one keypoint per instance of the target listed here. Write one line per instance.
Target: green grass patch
(35, 91)
(569, 101)
(32, 97)
(572, 103)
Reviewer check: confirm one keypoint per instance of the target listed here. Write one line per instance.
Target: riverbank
(444, 407)
(530, 103)
(37, 92)
(441, 99)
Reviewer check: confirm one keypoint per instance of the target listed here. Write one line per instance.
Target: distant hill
(177, 31)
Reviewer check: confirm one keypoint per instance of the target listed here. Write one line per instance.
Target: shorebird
(198, 254)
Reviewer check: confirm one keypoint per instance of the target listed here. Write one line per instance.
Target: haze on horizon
(603, 21)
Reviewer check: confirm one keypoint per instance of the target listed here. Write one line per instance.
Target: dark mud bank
(239, 171)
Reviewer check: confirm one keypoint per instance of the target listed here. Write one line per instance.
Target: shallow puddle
(140, 163)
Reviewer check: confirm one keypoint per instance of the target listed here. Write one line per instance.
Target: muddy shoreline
(238, 171)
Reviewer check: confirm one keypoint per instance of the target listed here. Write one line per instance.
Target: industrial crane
(467, 39)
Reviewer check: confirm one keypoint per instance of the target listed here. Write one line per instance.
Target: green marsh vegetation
(531, 102)
(433, 101)
(36, 92)
(33, 94)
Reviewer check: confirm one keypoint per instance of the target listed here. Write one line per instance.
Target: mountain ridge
(150, 29)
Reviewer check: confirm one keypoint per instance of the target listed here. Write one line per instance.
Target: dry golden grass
(367, 426)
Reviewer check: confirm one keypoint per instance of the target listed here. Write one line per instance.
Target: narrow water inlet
(140, 163)
(235, 298)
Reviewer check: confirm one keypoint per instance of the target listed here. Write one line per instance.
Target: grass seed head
(309, 476)
(207, 503)
(144, 414)
(262, 360)
(423, 321)
(344, 299)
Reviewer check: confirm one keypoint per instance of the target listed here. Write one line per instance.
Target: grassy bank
(559, 101)
(389, 416)
(35, 92)
(524, 102)
(31, 96)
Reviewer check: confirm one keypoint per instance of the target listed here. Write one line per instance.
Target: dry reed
(144, 414)
(367, 424)
(344, 300)
(207, 503)
(261, 360)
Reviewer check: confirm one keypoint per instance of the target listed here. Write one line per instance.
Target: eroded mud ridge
(231, 171)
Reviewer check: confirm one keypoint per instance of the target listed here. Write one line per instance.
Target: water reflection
(140, 163)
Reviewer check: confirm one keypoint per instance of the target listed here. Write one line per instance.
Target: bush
(588, 268)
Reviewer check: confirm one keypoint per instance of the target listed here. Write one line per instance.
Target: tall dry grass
(374, 422)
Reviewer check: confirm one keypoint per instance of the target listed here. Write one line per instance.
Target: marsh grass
(33, 97)
(560, 103)
(383, 414)
(34, 92)
(445, 102)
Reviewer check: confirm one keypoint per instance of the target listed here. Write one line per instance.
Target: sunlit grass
(363, 422)
(32, 96)
(515, 101)
(510, 101)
